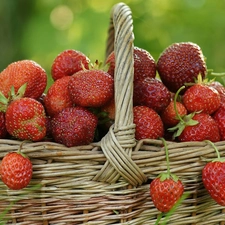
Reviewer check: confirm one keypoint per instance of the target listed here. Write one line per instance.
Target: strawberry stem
(217, 74)
(215, 148)
(167, 156)
(20, 148)
(175, 103)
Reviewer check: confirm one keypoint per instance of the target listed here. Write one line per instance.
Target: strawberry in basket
(144, 64)
(181, 63)
(16, 170)
(57, 97)
(213, 177)
(68, 62)
(201, 97)
(166, 189)
(148, 123)
(3, 131)
(91, 88)
(197, 125)
(25, 71)
(151, 92)
(74, 126)
(25, 117)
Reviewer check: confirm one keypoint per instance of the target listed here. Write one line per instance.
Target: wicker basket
(108, 182)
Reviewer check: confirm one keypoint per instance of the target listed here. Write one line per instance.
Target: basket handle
(118, 143)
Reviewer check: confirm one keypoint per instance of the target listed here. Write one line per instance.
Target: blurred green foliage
(41, 29)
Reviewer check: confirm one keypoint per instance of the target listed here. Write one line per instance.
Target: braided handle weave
(117, 145)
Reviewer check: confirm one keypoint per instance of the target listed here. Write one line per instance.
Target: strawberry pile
(79, 106)
(172, 100)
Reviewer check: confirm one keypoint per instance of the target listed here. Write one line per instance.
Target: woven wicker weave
(108, 182)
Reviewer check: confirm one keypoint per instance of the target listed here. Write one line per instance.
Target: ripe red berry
(148, 123)
(144, 64)
(205, 129)
(152, 93)
(25, 71)
(219, 117)
(16, 170)
(213, 178)
(58, 97)
(3, 131)
(201, 97)
(168, 115)
(165, 193)
(68, 62)
(181, 63)
(220, 88)
(166, 189)
(91, 88)
(74, 126)
(25, 119)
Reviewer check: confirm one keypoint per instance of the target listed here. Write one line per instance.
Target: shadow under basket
(107, 182)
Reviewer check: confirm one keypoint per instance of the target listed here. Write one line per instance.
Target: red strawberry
(220, 88)
(166, 189)
(214, 179)
(148, 123)
(91, 88)
(21, 72)
(58, 97)
(165, 193)
(109, 108)
(219, 117)
(152, 93)
(168, 115)
(74, 126)
(201, 97)
(68, 62)
(25, 119)
(181, 63)
(205, 128)
(3, 131)
(16, 170)
(144, 64)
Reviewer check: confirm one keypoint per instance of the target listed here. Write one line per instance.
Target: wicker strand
(118, 144)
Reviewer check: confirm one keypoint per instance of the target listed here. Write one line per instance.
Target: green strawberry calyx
(97, 65)
(167, 174)
(4, 101)
(184, 121)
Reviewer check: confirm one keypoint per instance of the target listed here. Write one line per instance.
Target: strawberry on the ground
(219, 117)
(57, 96)
(148, 123)
(144, 64)
(151, 92)
(168, 115)
(201, 97)
(25, 119)
(68, 62)
(166, 189)
(181, 63)
(3, 131)
(25, 71)
(74, 126)
(214, 180)
(16, 170)
(91, 88)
